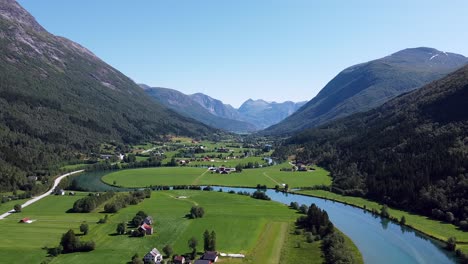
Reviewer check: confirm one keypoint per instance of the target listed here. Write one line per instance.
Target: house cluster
(221, 170)
(153, 257)
(146, 226)
(223, 150)
(208, 257)
(120, 156)
(300, 166)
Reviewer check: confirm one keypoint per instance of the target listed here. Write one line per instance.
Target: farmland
(243, 225)
(269, 176)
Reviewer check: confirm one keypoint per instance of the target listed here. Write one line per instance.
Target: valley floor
(262, 230)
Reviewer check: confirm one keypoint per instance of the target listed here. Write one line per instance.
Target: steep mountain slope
(265, 114)
(412, 152)
(185, 105)
(58, 99)
(368, 85)
(216, 107)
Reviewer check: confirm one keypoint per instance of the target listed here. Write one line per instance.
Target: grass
(269, 176)
(297, 250)
(242, 225)
(243, 220)
(433, 228)
(4, 207)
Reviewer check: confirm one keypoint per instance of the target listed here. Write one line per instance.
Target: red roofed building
(146, 228)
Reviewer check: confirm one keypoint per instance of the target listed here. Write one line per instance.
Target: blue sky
(240, 49)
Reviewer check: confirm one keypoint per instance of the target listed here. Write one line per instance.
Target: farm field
(269, 176)
(242, 224)
(434, 228)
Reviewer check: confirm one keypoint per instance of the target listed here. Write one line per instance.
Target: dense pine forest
(410, 153)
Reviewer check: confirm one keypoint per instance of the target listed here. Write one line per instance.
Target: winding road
(37, 198)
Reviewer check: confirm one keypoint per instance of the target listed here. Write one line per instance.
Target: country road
(37, 198)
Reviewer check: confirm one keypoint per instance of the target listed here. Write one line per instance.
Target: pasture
(269, 176)
(242, 224)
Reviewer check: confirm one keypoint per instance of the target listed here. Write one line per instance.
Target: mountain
(58, 99)
(368, 85)
(216, 107)
(265, 114)
(185, 105)
(411, 152)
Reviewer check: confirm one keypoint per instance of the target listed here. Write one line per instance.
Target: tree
(84, 228)
(212, 244)
(192, 244)
(384, 211)
(451, 243)
(168, 250)
(197, 212)
(69, 242)
(206, 240)
(136, 259)
(17, 208)
(239, 168)
(121, 228)
(402, 220)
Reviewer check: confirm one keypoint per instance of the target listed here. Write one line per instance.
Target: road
(37, 198)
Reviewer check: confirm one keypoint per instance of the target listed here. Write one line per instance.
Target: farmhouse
(223, 150)
(202, 261)
(146, 228)
(178, 260)
(211, 256)
(26, 220)
(221, 170)
(59, 192)
(148, 220)
(153, 257)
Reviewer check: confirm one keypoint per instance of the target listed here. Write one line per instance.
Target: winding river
(379, 240)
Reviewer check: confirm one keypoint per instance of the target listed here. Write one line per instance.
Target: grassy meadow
(244, 225)
(269, 176)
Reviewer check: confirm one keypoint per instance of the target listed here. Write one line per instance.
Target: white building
(153, 257)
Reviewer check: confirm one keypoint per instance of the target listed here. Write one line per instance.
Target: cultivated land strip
(195, 182)
(273, 180)
(37, 198)
(268, 248)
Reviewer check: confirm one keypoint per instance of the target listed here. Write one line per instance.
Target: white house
(153, 257)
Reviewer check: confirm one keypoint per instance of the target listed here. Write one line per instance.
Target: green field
(434, 228)
(242, 224)
(4, 207)
(269, 176)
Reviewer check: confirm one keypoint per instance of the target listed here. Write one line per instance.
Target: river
(379, 240)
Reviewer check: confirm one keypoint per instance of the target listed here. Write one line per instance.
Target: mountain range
(410, 152)
(58, 99)
(253, 115)
(365, 86)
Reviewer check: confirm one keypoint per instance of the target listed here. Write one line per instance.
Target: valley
(354, 149)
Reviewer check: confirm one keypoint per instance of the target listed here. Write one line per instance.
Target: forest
(410, 153)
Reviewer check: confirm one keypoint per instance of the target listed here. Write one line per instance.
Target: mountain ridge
(409, 153)
(367, 85)
(185, 105)
(58, 99)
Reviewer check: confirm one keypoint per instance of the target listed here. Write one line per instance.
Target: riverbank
(432, 228)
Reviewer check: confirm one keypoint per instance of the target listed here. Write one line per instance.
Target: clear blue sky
(239, 49)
